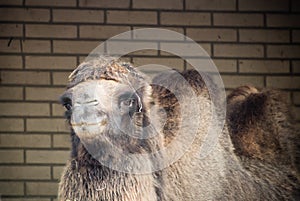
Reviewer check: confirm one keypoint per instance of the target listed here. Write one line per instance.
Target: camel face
(101, 106)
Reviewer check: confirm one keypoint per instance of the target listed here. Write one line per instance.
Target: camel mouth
(86, 124)
(89, 130)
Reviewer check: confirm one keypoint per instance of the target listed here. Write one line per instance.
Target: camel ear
(139, 103)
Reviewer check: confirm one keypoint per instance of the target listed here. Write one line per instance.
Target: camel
(117, 154)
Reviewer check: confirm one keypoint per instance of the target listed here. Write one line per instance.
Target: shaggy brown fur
(219, 176)
(261, 126)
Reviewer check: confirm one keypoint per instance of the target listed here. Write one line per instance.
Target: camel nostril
(92, 102)
(87, 103)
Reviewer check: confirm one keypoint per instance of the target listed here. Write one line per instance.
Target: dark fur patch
(261, 126)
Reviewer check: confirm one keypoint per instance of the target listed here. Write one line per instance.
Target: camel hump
(261, 126)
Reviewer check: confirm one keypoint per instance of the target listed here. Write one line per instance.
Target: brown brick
(41, 188)
(104, 3)
(296, 35)
(36, 46)
(233, 81)
(51, 31)
(8, 45)
(222, 65)
(122, 47)
(60, 78)
(131, 17)
(11, 2)
(226, 65)
(74, 47)
(283, 20)
(283, 51)
(269, 5)
(11, 156)
(25, 140)
(296, 113)
(295, 5)
(57, 171)
(185, 18)
(14, 62)
(23, 77)
(87, 16)
(50, 62)
(11, 124)
(23, 14)
(61, 141)
(83, 58)
(47, 125)
(264, 36)
(24, 109)
(11, 188)
(51, 156)
(283, 82)
(296, 98)
(238, 50)
(58, 110)
(68, 3)
(264, 66)
(296, 66)
(168, 62)
(11, 93)
(24, 172)
(239, 19)
(43, 93)
(101, 32)
(158, 4)
(192, 49)
(212, 34)
(141, 52)
(11, 30)
(210, 5)
(156, 35)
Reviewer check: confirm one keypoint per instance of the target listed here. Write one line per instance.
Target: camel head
(107, 104)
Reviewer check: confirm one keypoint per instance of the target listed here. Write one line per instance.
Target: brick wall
(41, 41)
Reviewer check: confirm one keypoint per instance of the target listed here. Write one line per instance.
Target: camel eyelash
(66, 102)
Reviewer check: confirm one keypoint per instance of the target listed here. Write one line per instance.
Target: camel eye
(67, 103)
(68, 106)
(125, 99)
(129, 102)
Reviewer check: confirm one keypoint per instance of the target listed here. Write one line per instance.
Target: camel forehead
(95, 85)
(98, 90)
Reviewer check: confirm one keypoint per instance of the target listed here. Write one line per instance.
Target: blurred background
(253, 42)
